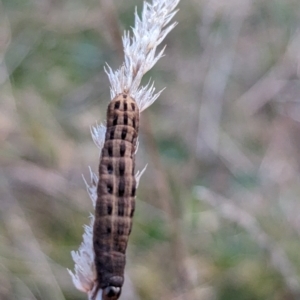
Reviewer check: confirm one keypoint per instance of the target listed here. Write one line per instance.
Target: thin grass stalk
(139, 57)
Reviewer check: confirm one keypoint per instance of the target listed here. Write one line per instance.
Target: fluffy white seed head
(140, 51)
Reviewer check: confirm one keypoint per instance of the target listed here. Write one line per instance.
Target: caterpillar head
(110, 290)
(111, 293)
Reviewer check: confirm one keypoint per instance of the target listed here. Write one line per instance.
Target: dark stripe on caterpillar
(121, 167)
(125, 119)
(122, 149)
(116, 189)
(121, 188)
(124, 133)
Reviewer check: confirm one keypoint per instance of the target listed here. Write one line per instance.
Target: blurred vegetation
(218, 207)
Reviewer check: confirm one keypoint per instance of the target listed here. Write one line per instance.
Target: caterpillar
(116, 190)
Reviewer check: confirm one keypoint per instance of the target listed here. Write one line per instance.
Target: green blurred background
(218, 209)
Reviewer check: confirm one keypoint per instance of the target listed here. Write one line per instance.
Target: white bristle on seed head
(84, 272)
(98, 135)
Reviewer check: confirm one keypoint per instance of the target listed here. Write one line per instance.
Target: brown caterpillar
(115, 195)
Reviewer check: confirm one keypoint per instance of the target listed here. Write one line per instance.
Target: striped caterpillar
(115, 195)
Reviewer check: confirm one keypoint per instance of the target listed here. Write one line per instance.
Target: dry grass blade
(228, 210)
